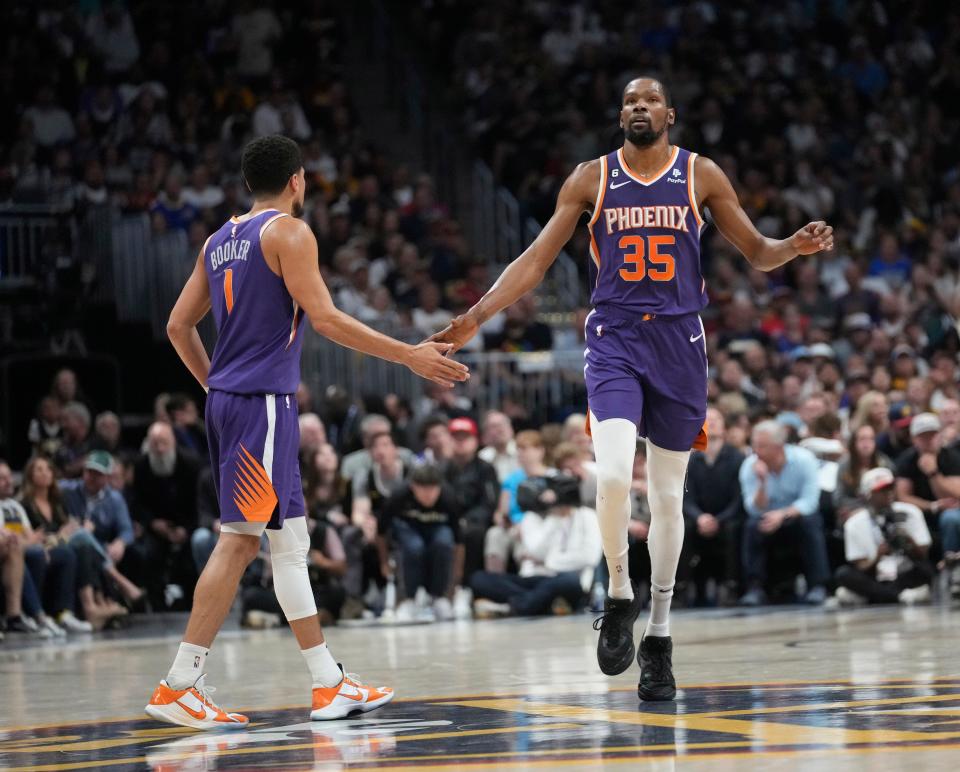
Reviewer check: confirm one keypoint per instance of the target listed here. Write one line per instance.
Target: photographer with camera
(886, 545)
(558, 550)
(928, 476)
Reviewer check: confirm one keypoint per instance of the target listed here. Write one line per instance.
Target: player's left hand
(459, 332)
(812, 238)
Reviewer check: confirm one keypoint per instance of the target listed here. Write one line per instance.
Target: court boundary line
(788, 683)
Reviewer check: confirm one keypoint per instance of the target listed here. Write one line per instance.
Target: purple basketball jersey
(645, 239)
(258, 322)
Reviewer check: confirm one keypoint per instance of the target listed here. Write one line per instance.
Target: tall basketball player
(646, 358)
(259, 273)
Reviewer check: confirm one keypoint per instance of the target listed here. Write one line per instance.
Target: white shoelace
(355, 680)
(205, 691)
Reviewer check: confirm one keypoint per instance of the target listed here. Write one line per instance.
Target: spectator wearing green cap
(107, 527)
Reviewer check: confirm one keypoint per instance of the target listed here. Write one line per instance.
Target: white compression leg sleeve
(615, 444)
(288, 555)
(666, 474)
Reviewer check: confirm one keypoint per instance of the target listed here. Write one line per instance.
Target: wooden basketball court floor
(781, 689)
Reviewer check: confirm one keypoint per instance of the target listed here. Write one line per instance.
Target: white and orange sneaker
(192, 707)
(349, 696)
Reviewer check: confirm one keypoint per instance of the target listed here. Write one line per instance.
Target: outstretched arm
(296, 248)
(764, 254)
(190, 308)
(527, 271)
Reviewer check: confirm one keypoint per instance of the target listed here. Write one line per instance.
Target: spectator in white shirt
(200, 193)
(280, 114)
(886, 544)
(558, 551)
(114, 38)
(429, 317)
(500, 449)
(51, 123)
(255, 30)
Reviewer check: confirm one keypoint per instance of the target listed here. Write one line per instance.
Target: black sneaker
(21, 624)
(656, 669)
(615, 648)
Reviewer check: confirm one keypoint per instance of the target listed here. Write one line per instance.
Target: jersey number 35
(639, 251)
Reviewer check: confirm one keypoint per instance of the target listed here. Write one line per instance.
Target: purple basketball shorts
(651, 370)
(254, 443)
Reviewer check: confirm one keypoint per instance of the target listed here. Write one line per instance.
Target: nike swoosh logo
(358, 697)
(614, 187)
(200, 715)
(695, 339)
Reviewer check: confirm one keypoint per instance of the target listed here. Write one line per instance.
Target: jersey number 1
(228, 289)
(639, 250)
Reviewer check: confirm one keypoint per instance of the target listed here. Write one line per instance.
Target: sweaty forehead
(643, 86)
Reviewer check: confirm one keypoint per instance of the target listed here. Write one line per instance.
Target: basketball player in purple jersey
(259, 273)
(646, 358)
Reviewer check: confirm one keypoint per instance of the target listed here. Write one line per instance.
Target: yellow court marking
(769, 732)
(550, 763)
(581, 713)
(801, 708)
(77, 743)
(896, 683)
(502, 763)
(293, 747)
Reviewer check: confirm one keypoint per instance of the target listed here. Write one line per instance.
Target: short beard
(644, 138)
(162, 464)
(297, 209)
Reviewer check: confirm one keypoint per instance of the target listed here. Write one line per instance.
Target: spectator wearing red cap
(476, 486)
(886, 543)
(896, 440)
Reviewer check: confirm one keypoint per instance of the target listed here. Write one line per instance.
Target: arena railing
(547, 384)
(148, 271)
(406, 91)
(493, 218)
(32, 238)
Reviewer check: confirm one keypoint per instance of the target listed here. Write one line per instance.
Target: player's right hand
(429, 360)
(460, 330)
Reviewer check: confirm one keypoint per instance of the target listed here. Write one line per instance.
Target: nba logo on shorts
(196, 662)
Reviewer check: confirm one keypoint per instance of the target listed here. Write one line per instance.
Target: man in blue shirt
(92, 499)
(781, 494)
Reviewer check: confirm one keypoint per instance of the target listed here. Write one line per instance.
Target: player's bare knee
(238, 547)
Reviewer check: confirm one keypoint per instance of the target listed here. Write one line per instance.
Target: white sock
(188, 666)
(666, 474)
(323, 667)
(615, 444)
(619, 586)
(660, 598)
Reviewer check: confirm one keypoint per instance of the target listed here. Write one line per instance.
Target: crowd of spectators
(807, 126)
(456, 519)
(822, 374)
(157, 132)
